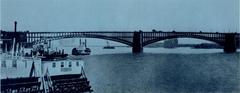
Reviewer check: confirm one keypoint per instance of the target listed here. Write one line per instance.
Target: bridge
(137, 39)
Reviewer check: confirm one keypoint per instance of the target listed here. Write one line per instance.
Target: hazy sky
(79, 15)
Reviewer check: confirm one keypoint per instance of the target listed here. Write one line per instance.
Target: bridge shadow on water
(164, 73)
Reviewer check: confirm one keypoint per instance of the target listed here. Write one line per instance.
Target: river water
(159, 70)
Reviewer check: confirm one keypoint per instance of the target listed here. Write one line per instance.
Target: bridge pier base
(137, 42)
(137, 49)
(230, 43)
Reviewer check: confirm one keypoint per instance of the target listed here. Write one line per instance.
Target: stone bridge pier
(230, 43)
(137, 46)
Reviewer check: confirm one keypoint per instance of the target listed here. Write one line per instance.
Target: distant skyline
(118, 15)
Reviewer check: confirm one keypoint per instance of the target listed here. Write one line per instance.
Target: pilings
(137, 46)
(230, 43)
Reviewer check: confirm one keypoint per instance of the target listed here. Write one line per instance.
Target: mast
(13, 48)
(6, 48)
(85, 43)
(80, 43)
(49, 44)
(108, 43)
(15, 30)
(16, 52)
(21, 50)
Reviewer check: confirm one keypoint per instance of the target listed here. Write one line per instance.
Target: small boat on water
(82, 49)
(108, 46)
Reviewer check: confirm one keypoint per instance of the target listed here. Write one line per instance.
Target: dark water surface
(164, 73)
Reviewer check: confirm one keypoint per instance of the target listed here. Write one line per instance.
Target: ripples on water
(215, 72)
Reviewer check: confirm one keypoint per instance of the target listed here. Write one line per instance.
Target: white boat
(65, 73)
(46, 76)
(16, 67)
(20, 74)
(63, 67)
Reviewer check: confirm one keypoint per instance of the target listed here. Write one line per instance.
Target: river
(159, 70)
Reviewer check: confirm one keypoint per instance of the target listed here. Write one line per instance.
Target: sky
(120, 15)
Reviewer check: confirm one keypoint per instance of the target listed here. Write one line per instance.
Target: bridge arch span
(219, 42)
(115, 39)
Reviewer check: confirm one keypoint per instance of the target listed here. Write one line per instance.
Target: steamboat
(36, 72)
(82, 49)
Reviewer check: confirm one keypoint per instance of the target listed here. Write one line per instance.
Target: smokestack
(15, 26)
